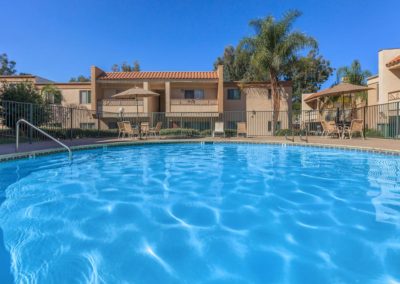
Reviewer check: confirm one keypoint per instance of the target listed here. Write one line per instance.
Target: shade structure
(338, 90)
(134, 93)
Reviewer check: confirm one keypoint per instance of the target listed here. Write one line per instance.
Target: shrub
(22, 100)
(186, 132)
(65, 133)
(228, 132)
(373, 133)
(206, 132)
(283, 132)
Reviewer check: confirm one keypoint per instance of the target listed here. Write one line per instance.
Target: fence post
(98, 123)
(31, 121)
(71, 112)
(364, 132)
(397, 120)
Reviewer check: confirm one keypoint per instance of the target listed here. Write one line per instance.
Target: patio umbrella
(135, 93)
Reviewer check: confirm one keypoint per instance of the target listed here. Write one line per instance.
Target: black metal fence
(381, 121)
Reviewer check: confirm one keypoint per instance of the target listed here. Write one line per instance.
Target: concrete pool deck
(388, 146)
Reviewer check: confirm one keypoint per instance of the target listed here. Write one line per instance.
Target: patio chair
(219, 129)
(121, 129)
(356, 126)
(329, 129)
(155, 131)
(128, 130)
(144, 128)
(241, 129)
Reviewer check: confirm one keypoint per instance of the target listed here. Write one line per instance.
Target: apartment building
(386, 83)
(184, 97)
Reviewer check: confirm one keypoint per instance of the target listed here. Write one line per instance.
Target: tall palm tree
(354, 74)
(274, 46)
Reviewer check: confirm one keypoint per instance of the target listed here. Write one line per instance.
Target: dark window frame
(234, 94)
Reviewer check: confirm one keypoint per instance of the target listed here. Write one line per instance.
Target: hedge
(186, 132)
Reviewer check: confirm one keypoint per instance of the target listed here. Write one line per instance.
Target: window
(85, 97)
(269, 94)
(87, 125)
(234, 94)
(189, 94)
(197, 94)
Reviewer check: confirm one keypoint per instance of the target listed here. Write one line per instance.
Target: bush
(373, 133)
(22, 100)
(230, 132)
(65, 133)
(186, 132)
(206, 132)
(283, 132)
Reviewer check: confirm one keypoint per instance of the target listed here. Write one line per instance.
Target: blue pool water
(192, 213)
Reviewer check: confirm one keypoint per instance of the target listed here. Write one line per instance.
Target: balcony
(111, 107)
(192, 105)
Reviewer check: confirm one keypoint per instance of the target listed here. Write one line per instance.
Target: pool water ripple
(191, 213)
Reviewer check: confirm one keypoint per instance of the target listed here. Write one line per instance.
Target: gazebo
(341, 90)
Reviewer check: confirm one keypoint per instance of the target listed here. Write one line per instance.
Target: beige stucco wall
(260, 110)
(389, 79)
(373, 95)
(257, 99)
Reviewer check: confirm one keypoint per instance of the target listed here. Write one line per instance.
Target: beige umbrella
(135, 93)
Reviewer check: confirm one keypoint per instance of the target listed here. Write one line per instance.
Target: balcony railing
(109, 106)
(112, 102)
(395, 95)
(193, 102)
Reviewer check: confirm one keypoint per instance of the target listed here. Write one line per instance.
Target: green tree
(125, 67)
(273, 48)
(80, 78)
(51, 94)
(136, 66)
(307, 74)
(7, 67)
(236, 62)
(31, 106)
(354, 74)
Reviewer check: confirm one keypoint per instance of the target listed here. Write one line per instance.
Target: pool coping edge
(33, 154)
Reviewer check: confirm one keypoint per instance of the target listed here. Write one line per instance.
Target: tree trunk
(276, 100)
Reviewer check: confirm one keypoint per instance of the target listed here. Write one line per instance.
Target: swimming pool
(218, 213)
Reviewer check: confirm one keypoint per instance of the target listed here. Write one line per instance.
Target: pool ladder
(42, 132)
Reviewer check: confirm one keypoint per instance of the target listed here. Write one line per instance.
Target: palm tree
(274, 47)
(354, 74)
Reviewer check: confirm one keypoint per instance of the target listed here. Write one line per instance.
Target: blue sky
(60, 39)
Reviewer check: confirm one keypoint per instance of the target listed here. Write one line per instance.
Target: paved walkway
(372, 143)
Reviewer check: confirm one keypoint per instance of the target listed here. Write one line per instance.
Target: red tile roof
(394, 61)
(158, 75)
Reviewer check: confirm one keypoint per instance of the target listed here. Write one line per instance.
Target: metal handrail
(42, 132)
